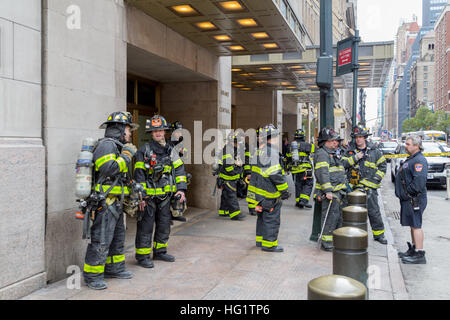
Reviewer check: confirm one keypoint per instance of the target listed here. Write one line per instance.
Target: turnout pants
(373, 210)
(160, 216)
(303, 188)
(105, 253)
(334, 219)
(229, 204)
(268, 225)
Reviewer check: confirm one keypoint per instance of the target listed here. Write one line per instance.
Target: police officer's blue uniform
(411, 189)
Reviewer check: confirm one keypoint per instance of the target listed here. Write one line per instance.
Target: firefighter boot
(96, 284)
(417, 257)
(164, 257)
(273, 249)
(145, 263)
(326, 246)
(120, 275)
(410, 251)
(381, 239)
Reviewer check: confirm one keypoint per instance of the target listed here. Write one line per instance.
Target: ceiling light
(236, 48)
(231, 6)
(222, 37)
(291, 87)
(184, 10)
(260, 35)
(295, 67)
(247, 22)
(236, 70)
(239, 86)
(272, 45)
(205, 25)
(265, 68)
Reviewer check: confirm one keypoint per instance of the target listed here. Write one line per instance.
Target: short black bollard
(350, 257)
(336, 287)
(357, 198)
(354, 216)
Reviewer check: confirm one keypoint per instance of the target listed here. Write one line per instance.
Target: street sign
(345, 56)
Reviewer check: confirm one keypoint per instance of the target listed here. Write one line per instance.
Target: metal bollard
(447, 173)
(357, 198)
(350, 257)
(335, 287)
(354, 216)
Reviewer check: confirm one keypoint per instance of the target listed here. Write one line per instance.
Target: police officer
(105, 255)
(230, 171)
(162, 174)
(301, 170)
(268, 186)
(411, 189)
(330, 183)
(367, 175)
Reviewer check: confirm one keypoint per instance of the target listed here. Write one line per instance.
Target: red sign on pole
(345, 57)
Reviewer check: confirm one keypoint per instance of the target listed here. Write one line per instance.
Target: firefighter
(367, 175)
(105, 255)
(230, 172)
(329, 169)
(267, 186)
(302, 171)
(161, 172)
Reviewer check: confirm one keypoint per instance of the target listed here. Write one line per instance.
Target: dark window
(146, 94)
(130, 92)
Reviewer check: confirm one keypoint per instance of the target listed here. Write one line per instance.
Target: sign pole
(355, 59)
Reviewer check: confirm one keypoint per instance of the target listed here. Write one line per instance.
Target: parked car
(397, 162)
(436, 164)
(388, 148)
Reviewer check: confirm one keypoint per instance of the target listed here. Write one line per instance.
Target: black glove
(285, 195)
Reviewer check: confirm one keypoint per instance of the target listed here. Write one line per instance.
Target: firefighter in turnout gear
(367, 175)
(105, 255)
(301, 169)
(230, 172)
(267, 187)
(330, 183)
(161, 172)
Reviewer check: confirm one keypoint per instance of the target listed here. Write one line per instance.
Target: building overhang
(230, 28)
(296, 73)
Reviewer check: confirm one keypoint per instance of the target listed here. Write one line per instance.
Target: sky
(378, 20)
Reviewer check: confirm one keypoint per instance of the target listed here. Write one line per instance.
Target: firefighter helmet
(360, 131)
(120, 117)
(157, 122)
(299, 134)
(327, 134)
(176, 125)
(268, 131)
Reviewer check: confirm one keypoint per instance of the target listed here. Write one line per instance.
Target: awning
(238, 27)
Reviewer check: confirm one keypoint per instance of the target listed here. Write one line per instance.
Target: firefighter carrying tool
(367, 175)
(161, 172)
(267, 186)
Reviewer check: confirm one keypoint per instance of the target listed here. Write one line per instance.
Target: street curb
(398, 286)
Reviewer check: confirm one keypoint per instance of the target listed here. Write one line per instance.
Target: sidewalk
(216, 258)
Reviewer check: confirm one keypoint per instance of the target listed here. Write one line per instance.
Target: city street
(432, 280)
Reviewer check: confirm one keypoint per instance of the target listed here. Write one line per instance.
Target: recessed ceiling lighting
(272, 45)
(260, 35)
(291, 87)
(205, 25)
(239, 86)
(184, 10)
(222, 37)
(265, 68)
(295, 67)
(236, 70)
(246, 89)
(236, 48)
(364, 63)
(231, 6)
(247, 22)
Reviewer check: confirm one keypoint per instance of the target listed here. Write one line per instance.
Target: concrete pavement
(216, 258)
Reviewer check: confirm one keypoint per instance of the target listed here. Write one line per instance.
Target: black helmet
(156, 123)
(360, 131)
(328, 134)
(176, 125)
(268, 131)
(299, 134)
(120, 117)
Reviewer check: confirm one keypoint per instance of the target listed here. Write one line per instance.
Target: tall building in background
(431, 10)
(442, 73)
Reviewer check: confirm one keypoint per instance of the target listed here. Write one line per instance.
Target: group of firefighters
(159, 177)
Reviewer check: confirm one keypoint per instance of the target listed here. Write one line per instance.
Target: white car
(436, 164)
